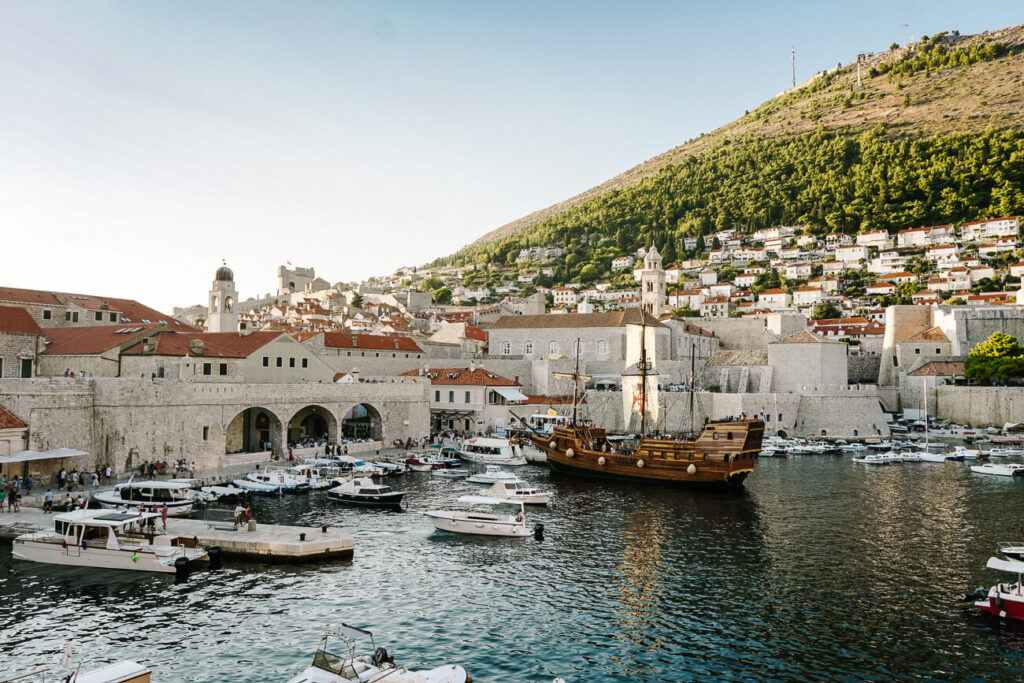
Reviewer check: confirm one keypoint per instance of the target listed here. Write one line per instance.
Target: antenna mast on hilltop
(792, 66)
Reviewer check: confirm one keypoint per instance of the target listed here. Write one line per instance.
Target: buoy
(692, 469)
(601, 460)
(181, 568)
(569, 452)
(552, 444)
(214, 553)
(640, 463)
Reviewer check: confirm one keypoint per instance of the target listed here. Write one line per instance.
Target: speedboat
(424, 462)
(316, 476)
(109, 540)
(1007, 470)
(391, 469)
(257, 487)
(1014, 551)
(1003, 452)
(224, 493)
(967, 453)
(363, 491)
(1004, 600)
(492, 474)
(451, 473)
(356, 466)
(484, 523)
(178, 497)
(284, 481)
(910, 456)
(329, 667)
(492, 451)
(519, 490)
(872, 459)
(854, 448)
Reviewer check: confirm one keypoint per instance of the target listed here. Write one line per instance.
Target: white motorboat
(110, 540)
(257, 487)
(451, 473)
(1014, 551)
(490, 450)
(363, 491)
(967, 453)
(359, 467)
(928, 456)
(178, 497)
(854, 448)
(391, 469)
(1003, 452)
(492, 474)
(1007, 470)
(329, 667)
(224, 493)
(910, 457)
(484, 523)
(872, 459)
(317, 477)
(280, 479)
(519, 490)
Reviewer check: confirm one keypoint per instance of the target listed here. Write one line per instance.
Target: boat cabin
(153, 491)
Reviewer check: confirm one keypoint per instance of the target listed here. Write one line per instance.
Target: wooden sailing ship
(722, 454)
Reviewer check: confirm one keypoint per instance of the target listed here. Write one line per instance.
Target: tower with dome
(223, 299)
(652, 283)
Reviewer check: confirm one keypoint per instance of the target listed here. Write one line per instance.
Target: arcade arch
(362, 421)
(312, 422)
(250, 430)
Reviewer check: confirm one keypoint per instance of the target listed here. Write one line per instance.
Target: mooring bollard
(302, 537)
(323, 529)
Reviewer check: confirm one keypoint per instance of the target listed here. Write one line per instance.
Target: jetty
(254, 541)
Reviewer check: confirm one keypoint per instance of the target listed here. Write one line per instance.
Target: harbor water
(821, 570)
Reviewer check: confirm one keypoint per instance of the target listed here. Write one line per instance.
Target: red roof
(463, 376)
(215, 344)
(370, 342)
(773, 291)
(474, 332)
(14, 319)
(989, 220)
(130, 310)
(93, 340)
(9, 420)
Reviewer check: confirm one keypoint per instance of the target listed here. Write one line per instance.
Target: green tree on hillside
(824, 310)
(997, 360)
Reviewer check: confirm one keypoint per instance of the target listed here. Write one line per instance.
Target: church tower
(652, 284)
(222, 316)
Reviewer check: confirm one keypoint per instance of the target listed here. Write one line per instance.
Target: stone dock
(260, 542)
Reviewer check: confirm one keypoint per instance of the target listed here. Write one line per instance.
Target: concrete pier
(264, 542)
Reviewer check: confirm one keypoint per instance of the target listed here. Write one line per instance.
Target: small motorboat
(520, 490)
(283, 480)
(1014, 551)
(224, 493)
(359, 467)
(910, 456)
(424, 462)
(329, 667)
(451, 473)
(391, 469)
(1002, 452)
(363, 491)
(1007, 470)
(967, 453)
(484, 523)
(872, 459)
(492, 474)
(492, 451)
(316, 476)
(178, 497)
(1005, 600)
(256, 487)
(854, 448)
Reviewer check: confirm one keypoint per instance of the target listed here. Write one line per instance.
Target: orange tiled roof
(130, 310)
(463, 376)
(15, 319)
(93, 340)
(215, 344)
(9, 420)
(370, 342)
(939, 368)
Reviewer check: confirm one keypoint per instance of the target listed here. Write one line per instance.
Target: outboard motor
(182, 568)
(980, 593)
(216, 557)
(538, 531)
(380, 657)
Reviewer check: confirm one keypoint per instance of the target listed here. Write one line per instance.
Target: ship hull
(734, 481)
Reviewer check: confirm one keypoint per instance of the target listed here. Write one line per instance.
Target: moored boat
(998, 469)
(363, 491)
(872, 459)
(1005, 600)
(492, 474)
(177, 496)
(519, 490)
(282, 480)
(484, 523)
(451, 473)
(490, 450)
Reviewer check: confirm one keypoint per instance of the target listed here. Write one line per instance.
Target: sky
(143, 142)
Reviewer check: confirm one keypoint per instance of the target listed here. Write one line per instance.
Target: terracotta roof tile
(93, 340)
(805, 337)
(15, 319)
(939, 368)
(370, 342)
(215, 344)
(9, 420)
(463, 376)
(932, 334)
(605, 319)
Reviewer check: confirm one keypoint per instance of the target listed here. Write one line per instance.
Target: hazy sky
(143, 142)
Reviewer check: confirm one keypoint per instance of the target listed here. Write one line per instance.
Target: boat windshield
(335, 664)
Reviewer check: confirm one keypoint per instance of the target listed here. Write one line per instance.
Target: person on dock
(48, 501)
(163, 516)
(239, 515)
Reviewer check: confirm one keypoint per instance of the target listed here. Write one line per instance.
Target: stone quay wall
(979, 406)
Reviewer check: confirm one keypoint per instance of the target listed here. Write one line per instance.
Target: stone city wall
(980, 406)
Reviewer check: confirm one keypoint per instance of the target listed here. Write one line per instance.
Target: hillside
(954, 94)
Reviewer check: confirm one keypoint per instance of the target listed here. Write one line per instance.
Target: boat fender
(569, 452)
(998, 600)
(979, 593)
(692, 469)
(552, 444)
(216, 556)
(601, 460)
(640, 463)
(380, 657)
(538, 531)
(181, 568)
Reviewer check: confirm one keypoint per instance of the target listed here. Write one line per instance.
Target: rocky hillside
(945, 86)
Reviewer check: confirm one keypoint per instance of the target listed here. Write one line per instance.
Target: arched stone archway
(251, 429)
(312, 422)
(362, 421)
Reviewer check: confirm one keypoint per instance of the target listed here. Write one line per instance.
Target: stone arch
(250, 429)
(313, 421)
(229, 303)
(213, 303)
(362, 421)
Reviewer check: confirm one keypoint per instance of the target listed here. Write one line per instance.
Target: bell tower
(223, 299)
(652, 284)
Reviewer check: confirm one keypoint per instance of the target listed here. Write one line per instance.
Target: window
(99, 315)
(938, 352)
(917, 351)
(223, 369)
(895, 362)
(291, 362)
(74, 317)
(350, 353)
(1, 367)
(451, 397)
(506, 348)
(305, 362)
(467, 397)
(602, 348)
(67, 316)
(113, 317)
(26, 367)
(437, 397)
(266, 361)
(206, 433)
(493, 398)
(279, 363)
(780, 417)
(47, 314)
(528, 348)
(552, 348)
(207, 368)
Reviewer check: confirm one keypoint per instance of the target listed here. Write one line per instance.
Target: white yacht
(492, 474)
(451, 473)
(520, 490)
(872, 459)
(490, 450)
(330, 667)
(967, 453)
(363, 491)
(317, 476)
(279, 479)
(484, 523)
(177, 496)
(1007, 470)
(109, 540)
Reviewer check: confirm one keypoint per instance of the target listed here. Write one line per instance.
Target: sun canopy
(1006, 565)
(511, 394)
(488, 500)
(25, 456)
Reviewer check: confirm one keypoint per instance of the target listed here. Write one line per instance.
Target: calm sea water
(821, 570)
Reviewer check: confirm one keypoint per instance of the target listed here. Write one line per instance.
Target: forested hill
(934, 135)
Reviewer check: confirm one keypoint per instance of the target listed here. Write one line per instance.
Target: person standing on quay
(48, 501)
(163, 516)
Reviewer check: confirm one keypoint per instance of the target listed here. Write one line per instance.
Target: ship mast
(693, 374)
(643, 366)
(576, 383)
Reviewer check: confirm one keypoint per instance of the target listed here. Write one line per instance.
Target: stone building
(60, 309)
(13, 433)
(21, 342)
(652, 284)
(222, 316)
(805, 360)
(470, 399)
